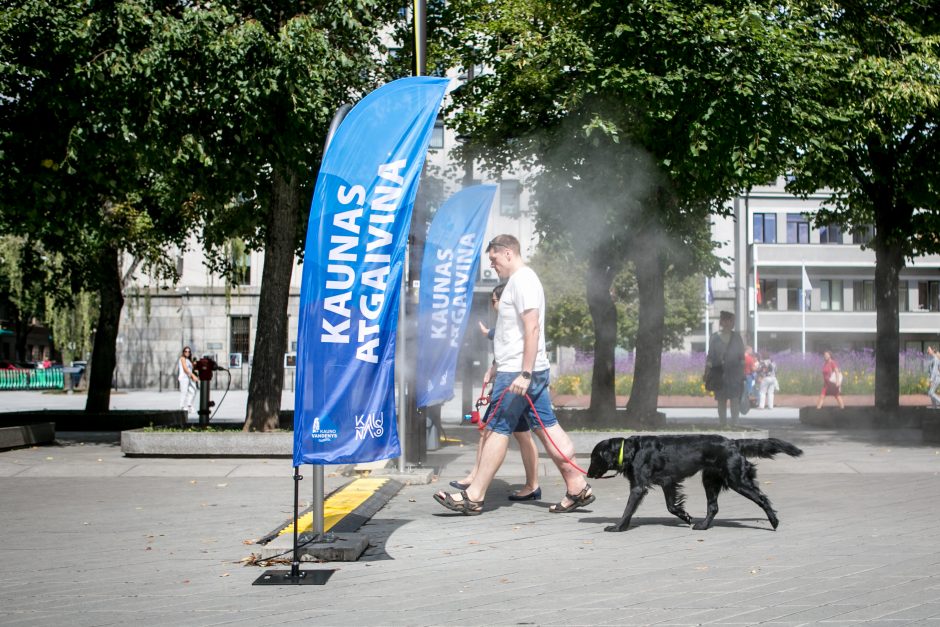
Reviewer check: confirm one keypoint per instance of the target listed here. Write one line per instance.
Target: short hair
(726, 315)
(505, 241)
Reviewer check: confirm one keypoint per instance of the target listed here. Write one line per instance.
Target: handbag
(713, 377)
(836, 378)
(745, 402)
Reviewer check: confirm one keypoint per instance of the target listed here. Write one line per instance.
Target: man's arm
(530, 347)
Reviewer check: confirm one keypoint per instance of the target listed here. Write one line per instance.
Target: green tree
(867, 129)
(83, 159)
(258, 87)
(643, 118)
(568, 320)
(22, 287)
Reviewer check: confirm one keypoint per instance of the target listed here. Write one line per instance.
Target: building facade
(770, 243)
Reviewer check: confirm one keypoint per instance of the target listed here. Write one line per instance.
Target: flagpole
(803, 305)
(707, 323)
(756, 288)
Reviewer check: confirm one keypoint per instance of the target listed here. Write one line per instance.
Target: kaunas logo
(370, 425)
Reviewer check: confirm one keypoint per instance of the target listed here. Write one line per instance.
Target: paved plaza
(90, 537)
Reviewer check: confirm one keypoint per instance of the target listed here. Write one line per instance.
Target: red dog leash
(537, 417)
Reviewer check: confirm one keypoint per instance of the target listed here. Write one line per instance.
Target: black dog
(665, 460)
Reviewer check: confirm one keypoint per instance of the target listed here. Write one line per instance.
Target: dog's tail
(766, 448)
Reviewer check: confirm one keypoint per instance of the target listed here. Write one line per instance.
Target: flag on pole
(806, 292)
(448, 271)
(344, 407)
(760, 297)
(709, 294)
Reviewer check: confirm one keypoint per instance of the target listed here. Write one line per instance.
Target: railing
(29, 379)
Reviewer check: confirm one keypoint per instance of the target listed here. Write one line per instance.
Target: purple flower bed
(796, 373)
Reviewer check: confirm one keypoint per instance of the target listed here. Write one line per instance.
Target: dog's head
(609, 455)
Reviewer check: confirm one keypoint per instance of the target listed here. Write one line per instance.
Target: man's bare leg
(574, 480)
(530, 461)
(492, 455)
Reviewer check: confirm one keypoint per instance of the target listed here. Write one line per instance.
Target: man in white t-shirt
(520, 377)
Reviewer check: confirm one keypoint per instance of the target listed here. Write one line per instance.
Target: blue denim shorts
(514, 409)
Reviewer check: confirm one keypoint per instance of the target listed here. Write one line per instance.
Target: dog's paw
(700, 526)
(614, 528)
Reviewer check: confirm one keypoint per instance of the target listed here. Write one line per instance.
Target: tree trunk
(650, 275)
(888, 264)
(604, 317)
(267, 372)
(104, 351)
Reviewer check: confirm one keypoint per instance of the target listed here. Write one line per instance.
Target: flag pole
(803, 305)
(756, 288)
(707, 307)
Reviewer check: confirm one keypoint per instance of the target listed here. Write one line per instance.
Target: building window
(797, 229)
(830, 234)
(928, 295)
(768, 292)
(863, 296)
(863, 235)
(830, 295)
(437, 135)
(793, 297)
(509, 192)
(765, 228)
(904, 303)
(239, 340)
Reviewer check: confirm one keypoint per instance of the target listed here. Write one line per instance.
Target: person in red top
(750, 370)
(830, 388)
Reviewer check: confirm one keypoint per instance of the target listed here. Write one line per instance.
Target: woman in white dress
(188, 379)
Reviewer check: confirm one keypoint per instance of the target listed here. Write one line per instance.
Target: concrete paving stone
(790, 614)
(916, 612)
(171, 468)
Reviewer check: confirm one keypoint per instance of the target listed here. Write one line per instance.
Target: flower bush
(681, 373)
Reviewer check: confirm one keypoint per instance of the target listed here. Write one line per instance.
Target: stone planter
(140, 443)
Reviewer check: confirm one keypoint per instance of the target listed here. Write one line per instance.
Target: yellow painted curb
(339, 504)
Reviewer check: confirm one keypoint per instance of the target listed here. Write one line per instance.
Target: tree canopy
(867, 131)
(642, 119)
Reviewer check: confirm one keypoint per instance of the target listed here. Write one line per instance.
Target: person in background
(750, 370)
(187, 378)
(726, 351)
(830, 387)
(530, 453)
(933, 377)
(767, 377)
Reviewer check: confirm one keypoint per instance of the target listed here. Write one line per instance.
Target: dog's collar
(620, 457)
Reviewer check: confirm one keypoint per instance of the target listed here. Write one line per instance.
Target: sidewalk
(159, 543)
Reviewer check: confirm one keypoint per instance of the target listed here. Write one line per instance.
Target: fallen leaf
(221, 485)
(193, 482)
(505, 580)
(473, 542)
(49, 459)
(248, 541)
(99, 459)
(224, 575)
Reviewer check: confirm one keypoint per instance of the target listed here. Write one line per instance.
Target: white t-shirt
(523, 291)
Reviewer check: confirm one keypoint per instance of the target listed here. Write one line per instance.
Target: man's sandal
(464, 506)
(580, 499)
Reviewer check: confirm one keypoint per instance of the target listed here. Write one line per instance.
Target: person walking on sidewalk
(832, 381)
(933, 376)
(520, 377)
(188, 380)
(530, 453)
(726, 352)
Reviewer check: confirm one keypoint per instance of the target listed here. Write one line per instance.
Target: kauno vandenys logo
(323, 430)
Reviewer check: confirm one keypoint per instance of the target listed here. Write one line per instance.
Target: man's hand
(489, 376)
(520, 385)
